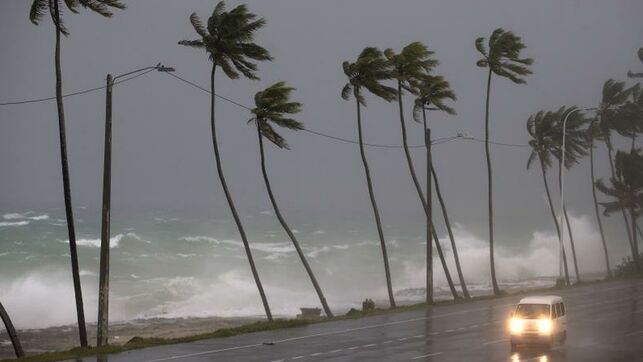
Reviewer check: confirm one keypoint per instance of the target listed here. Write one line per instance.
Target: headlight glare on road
(544, 326)
(516, 325)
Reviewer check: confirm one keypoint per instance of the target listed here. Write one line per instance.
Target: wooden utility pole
(103, 286)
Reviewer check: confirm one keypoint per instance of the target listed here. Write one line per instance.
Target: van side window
(562, 309)
(556, 313)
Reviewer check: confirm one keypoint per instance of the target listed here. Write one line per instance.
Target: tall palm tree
(594, 132)
(637, 75)
(11, 331)
(614, 96)
(272, 105)
(542, 131)
(228, 40)
(627, 191)
(368, 72)
(576, 145)
(503, 58)
(414, 62)
(39, 8)
(629, 122)
(433, 92)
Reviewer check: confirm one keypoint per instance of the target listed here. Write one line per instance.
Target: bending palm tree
(627, 190)
(408, 67)
(593, 132)
(541, 128)
(228, 41)
(576, 145)
(38, 10)
(614, 96)
(432, 92)
(503, 59)
(271, 106)
(368, 71)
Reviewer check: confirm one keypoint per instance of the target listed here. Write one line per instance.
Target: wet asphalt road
(605, 323)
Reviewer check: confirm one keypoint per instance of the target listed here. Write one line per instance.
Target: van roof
(541, 299)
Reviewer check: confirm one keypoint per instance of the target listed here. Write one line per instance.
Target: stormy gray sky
(162, 152)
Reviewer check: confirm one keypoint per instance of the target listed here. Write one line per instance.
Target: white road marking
(449, 330)
(419, 336)
(428, 355)
(369, 345)
(203, 353)
(315, 354)
(352, 348)
(389, 341)
(336, 350)
(402, 339)
(496, 341)
(278, 360)
(298, 357)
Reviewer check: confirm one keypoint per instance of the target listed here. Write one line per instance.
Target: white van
(538, 320)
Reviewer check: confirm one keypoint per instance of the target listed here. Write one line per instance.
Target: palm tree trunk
(608, 143)
(571, 242)
(494, 282)
(429, 220)
(445, 214)
(233, 209)
(69, 213)
(376, 212)
(569, 226)
(637, 260)
(553, 215)
(285, 226)
(11, 331)
(596, 211)
(418, 188)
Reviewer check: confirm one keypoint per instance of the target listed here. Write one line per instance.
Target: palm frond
(38, 10)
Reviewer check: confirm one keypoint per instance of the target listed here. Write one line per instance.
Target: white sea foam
(114, 241)
(14, 223)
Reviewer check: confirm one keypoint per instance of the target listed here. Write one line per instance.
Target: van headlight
(544, 326)
(516, 325)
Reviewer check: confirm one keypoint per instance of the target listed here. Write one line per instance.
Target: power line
(38, 100)
(435, 141)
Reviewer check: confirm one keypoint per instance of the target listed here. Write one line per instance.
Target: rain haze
(175, 249)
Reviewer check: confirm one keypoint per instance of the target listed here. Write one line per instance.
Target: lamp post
(562, 190)
(103, 286)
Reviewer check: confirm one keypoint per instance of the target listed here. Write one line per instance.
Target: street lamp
(561, 237)
(103, 284)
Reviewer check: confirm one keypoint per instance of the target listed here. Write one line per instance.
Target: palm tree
(228, 40)
(414, 62)
(11, 331)
(637, 75)
(627, 190)
(629, 120)
(433, 91)
(594, 132)
(614, 96)
(503, 59)
(39, 8)
(368, 72)
(576, 145)
(542, 130)
(271, 107)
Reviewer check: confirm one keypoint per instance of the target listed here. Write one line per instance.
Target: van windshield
(532, 311)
